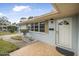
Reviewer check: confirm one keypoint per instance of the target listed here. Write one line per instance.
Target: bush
(24, 31)
(12, 29)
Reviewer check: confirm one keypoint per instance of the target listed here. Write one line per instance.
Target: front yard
(6, 47)
(6, 33)
(10, 43)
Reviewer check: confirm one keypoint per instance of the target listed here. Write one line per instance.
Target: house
(4, 23)
(59, 28)
(22, 26)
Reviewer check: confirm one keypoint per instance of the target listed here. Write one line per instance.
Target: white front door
(64, 31)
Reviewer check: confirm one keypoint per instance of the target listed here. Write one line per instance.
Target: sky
(14, 11)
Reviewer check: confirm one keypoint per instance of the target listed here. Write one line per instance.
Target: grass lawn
(17, 37)
(6, 33)
(6, 47)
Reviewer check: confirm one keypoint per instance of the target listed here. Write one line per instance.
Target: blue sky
(14, 11)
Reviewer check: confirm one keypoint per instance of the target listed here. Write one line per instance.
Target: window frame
(42, 26)
(32, 27)
(39, 27)
(36, 27)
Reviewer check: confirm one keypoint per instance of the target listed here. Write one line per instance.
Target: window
(32, 27)
(64, 23)
(36, 26)
(0, 23)
(42, 27)
(4, 27)
(4, 24)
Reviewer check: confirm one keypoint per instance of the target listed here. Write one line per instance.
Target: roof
(62, 10)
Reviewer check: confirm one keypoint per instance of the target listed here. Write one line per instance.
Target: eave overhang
(62, 10)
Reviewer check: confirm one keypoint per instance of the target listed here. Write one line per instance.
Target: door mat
(64, 51)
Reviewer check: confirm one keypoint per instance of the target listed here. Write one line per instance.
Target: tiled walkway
(36, 49)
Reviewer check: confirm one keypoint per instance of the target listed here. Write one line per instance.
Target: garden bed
(17, 37)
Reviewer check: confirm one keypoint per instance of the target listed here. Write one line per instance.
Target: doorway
(64, 33)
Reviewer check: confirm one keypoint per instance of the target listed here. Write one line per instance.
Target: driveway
(19, 43)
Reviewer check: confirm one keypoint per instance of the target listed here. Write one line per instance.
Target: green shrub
(12, 28)
(24, 31)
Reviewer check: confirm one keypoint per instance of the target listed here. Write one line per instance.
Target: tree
(23, 17)
(12, 28)
(30, 17)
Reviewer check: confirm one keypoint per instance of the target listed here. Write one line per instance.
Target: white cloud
(21, 8)
(1, 14)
